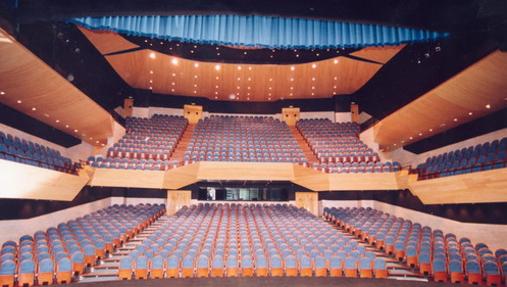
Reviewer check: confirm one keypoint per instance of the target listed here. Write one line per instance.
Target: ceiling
(152, 70)
(471, 94)
(32, 87)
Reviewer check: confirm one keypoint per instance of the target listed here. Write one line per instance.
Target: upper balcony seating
(229, 240)
(147, 144)
(485, 156)
(23, 151)
(252, 139)
(444, 257)
(58, 253)
(339, 149)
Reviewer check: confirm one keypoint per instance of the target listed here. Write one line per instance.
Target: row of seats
(357, 167)
(444, 257)
(137, 164)
(256, 139)
(480, 157)
(222, 240)
(59, 253)
(27, 152)
(335, 142)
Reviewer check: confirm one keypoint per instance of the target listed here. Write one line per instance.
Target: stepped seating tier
(441, 256)
(27, 152)
(222, 240)
(147, 144)
(248, 139)
(59, 253)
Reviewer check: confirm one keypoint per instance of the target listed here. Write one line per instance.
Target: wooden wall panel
(181, 176)
(146, 69)
(308, 201)
(461, 99)
(476, 187)
(363, 181)
(32, 87)
(245, 171)
(176, 199)
(127, 178)
(310, 178)
(107, 42)
(30, 182)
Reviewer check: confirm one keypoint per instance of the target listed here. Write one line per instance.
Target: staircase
(107, 270)
(303, 144)
(181, 147)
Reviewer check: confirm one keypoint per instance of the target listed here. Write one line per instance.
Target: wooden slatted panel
(449, 104)
(27, 82)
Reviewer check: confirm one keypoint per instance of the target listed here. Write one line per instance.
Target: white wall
(368, 137)
(494, 235)
(13, 229)
(343, 117)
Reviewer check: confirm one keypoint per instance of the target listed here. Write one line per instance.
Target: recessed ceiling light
(239, 67)
(335, 78)
(195, 92)
(103, 145)
(270, 79)
(430, 130)
(239, 79)
(19, 101)
(34, 109)
(151, 81)
(411, 138)
(216, 86)
(196, 65)
(470, 113)
(269, 94)
(249, 78)
(217, 78)
(195, 76)
(313, 94)
(290, 94)
(313, 78)
(67, 126)
(172, 90)
(249, 68)
(292, 88)
(216, 93)
(232, 96)
(153, 55)
(218, 67)
(292, 79)
(334, 93)
(151, 88)
(57, 121)
(216, 97)
(248, 88)
(394, 144)
(237, 87)
(455, 119)
(248, 94)
(173, 83)
(335, 61)
(269, 88)
(420, 134)
(2, 93)
(217, 48)
(75, 131)
(334, 87)
(174, 61)
(97, 142)
(297, 55)
(191, 51)
(402, 141)
(151, 71)
(195, 85)
(218, 54)
(488, 106)
(314, 66)
(317, 54)
(292, 68)
(313, 88)
(269, 99)
(245, 52)
(248, 98)
(174, 74)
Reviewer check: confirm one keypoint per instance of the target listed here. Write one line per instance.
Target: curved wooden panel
(107, 42)
(30, 182)
(32, 87)
(378, 54)
(458, 100)
(476, 187)
(171, 75)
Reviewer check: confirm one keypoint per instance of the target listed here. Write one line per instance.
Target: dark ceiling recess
(228, 54)
(419, 68)
(484, 125)
(64, 48)
(27, 124)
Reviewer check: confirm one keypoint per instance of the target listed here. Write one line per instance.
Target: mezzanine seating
(251, 139)
(27, 152)
(147, 144)
(485, 156)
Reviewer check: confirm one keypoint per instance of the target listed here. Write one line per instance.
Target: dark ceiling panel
(484, 125)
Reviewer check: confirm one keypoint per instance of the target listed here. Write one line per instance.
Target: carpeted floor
(268, 282)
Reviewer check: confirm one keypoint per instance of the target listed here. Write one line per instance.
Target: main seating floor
(266, 281)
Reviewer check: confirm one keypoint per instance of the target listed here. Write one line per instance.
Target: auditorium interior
(253, 143)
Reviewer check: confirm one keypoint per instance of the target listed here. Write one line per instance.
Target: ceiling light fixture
(292, 68)
(153, 55)
(2, 93)
(314, 66)
(218, 67)
(470, 113)
(174, 61)
(19, 101)
(34, 109)
(335, 61)
(196, 65)
(488, 106)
